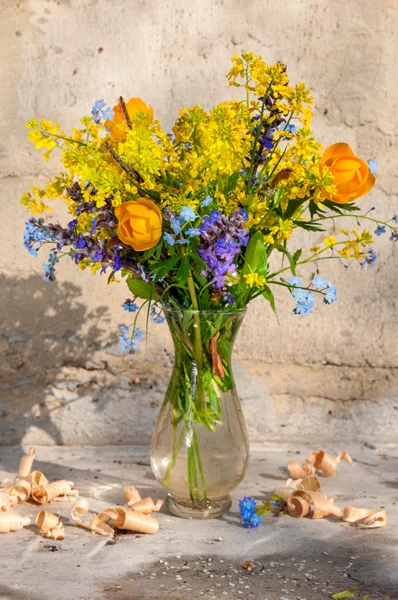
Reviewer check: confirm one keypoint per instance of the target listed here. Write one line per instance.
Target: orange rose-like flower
(352, 176)
(140, 223)
(118, 126)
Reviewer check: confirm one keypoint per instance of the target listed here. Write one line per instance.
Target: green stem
(62, 137)
(351, 215)
(247, 84)
(192, 475)
(176, 451)
(197, 342)
(312, 258)
(290, 287)
(256, 137)
(277, 142)
(200, 467)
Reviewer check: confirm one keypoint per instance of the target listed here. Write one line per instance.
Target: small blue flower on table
(249, 518)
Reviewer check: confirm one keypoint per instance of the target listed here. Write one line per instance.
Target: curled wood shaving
(37, 478)
(307, 483)
(122, 518)
(297, 471)
(26, 463)
(50, 526)
(317, 461)
(5, 501)
(82, 517)
(132, 495)
(314, 504)
(146, 506)
(19, 492)
(49, 491)
(364, 518)
(327, 463)
(143, 505)
(109, 519)
(10, 521)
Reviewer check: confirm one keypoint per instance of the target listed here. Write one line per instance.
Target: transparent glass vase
(200, 447)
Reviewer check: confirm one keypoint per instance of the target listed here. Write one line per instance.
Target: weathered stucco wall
(333, 374)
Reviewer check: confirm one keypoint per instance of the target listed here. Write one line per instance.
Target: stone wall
(331, 375)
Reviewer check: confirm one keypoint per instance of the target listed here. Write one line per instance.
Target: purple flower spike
(221, 239)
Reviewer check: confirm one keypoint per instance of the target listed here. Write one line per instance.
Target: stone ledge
(111, 400)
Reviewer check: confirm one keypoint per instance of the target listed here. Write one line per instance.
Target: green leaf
(292, 207)
(200, 263)
(204, 299)
(346, 594)
(183, 271)
(315, 209)
(164, 266)
(268, 295)
(232, 181)
(159, 248)
(308, 226)
(256, 260)
(290, 258)
(297, 255)
(340, 209)
(148, 253)
(141, 289)
(265, 509)
(199, 267)
(277, 197)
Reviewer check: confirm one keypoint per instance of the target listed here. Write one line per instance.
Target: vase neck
(203, 340)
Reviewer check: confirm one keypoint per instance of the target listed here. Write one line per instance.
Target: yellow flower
(330, 241)
(118, 126)
(315, 249)
(33, 201)
(140, 223)
(255, 280)
(282, 230)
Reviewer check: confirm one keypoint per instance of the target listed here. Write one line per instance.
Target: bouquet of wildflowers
(189, 219)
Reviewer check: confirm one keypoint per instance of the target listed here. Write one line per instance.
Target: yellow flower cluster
(255, 280)
(353, 247)
(213, 147)
(257, 153)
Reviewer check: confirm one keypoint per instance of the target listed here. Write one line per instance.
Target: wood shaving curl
(316, 505)
(310, 483)
(364, 518)
(317, 461)
(109, 519)
(50, 526)
(45, 493)
(143, 505)
(10, 521)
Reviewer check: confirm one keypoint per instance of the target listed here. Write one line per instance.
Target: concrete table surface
(292, 559)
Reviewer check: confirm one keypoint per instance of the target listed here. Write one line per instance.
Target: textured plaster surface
(292, 558)
(336, 368)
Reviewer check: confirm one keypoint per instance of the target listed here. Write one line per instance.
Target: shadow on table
(40, 332)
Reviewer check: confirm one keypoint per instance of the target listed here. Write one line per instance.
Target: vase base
(203, 509)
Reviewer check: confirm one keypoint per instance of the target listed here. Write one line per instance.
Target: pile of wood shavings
(33, 486)
(303, 498)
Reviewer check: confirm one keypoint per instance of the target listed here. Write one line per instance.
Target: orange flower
(117, 127)
(140, 223)
(352, 176)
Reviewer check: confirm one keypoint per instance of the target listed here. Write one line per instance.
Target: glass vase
(200, 447)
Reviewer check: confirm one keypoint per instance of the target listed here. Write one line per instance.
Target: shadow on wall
(34, 350)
